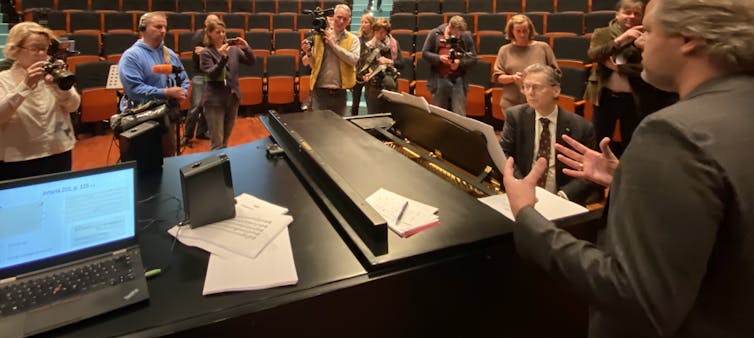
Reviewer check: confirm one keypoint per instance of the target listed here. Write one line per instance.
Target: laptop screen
(56, 214)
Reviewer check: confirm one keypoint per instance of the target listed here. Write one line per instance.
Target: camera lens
(319, 24)
(64, 79)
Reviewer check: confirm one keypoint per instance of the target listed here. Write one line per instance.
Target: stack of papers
(248, 252)
(551, 206)
(403, 215)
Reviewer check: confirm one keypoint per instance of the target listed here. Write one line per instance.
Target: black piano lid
(342, 165)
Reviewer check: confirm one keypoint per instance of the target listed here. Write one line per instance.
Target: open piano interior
(458, 153)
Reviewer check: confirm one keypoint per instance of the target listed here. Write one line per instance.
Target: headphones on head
(143, 22)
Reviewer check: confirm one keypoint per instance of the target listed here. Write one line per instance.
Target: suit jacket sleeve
(656, 245)
(508, 138)
(578, 190)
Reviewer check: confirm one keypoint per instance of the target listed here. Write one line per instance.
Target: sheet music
(247, 234)
(231, 267)
(113, 78)
(551, 206)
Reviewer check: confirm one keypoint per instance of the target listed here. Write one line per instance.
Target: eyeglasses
(36, 49)
(533, 87)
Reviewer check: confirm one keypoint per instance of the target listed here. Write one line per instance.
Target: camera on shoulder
(319, 18)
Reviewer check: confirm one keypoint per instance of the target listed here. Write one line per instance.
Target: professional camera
(372, 71)
(60, 74)
(457, 50)
(59, 51)
(319, 18)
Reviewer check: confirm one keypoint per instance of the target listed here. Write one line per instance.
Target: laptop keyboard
(30, 293)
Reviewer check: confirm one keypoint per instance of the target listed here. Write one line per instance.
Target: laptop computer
(67, 248)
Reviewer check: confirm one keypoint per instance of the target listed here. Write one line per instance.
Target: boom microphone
(166, 69)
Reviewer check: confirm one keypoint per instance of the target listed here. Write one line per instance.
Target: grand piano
(356, 277)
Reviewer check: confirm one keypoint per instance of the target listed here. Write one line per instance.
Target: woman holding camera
(388, 62)
(513, 57)
(365, 34)
(219, 62)
(36, 134)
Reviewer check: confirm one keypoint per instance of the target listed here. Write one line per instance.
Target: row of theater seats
(484, 96)
(296, 6)
(273, 81)
(578, 23)
(545, 23)
(105, 21)
(496, 6)
(253, 6)
(111, 45)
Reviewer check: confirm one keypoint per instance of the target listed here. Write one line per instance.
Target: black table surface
(176, 302)
(327, 263)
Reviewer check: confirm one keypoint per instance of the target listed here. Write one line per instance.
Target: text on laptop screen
(56, 217)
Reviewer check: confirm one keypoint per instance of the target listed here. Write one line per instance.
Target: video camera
(457, 50)
(319, 18)
(59, 52)
(381, 75)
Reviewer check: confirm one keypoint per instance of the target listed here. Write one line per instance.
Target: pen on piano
(400, 213)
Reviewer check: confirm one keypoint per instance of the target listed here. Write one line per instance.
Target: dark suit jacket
(212, 65)
(518, 141)
(675, 258)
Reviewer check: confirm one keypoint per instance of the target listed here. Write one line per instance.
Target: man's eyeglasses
(35, 49)
(532, 87)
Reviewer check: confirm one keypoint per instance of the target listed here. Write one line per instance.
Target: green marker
(152, 273)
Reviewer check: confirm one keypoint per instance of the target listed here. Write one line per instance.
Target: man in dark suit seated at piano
(531, 130)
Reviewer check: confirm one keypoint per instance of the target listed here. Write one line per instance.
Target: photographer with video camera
(382, 63)
(36, 99)
(332, 52)
(150, 72)
(450, 50)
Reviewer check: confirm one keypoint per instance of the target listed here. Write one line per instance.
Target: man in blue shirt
(140, 83)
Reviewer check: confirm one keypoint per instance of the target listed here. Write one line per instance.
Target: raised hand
(588, 164)
(521, 192)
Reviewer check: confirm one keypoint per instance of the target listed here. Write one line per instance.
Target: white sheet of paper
(388, 204)
(551, 206)
(256, 223)
(273, 267)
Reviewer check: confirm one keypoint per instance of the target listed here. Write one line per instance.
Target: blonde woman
(365, 34)
(513, 57)
(36, 134)
(219, 61)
